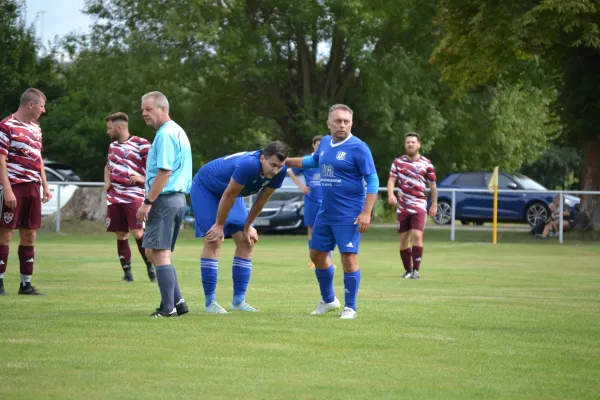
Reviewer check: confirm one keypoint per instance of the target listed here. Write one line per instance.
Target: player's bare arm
(162, 177)
(9, 197)
(434, 199)
(215, 233)
(137, 180)
(391, 185)
(364, 219)
(46, 194)
(295, 162)
(263, 197)
(305, 189)
(107, 183)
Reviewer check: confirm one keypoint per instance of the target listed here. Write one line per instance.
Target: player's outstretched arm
(294, 162)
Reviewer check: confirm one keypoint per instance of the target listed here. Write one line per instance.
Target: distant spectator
(552, 225)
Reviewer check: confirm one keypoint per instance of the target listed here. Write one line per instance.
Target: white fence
(453, 192)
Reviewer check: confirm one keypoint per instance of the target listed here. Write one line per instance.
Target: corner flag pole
(493, 186)
(495, 236)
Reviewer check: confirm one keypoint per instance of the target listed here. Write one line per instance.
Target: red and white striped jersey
(21, 143)
(125, 160)
(411, 177)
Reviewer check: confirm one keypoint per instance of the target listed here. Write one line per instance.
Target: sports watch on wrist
(148, 201)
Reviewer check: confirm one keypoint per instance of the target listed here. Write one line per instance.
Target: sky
(60, 18)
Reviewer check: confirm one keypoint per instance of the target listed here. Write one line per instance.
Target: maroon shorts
(408, 221)
(28, 212)
(121, 217)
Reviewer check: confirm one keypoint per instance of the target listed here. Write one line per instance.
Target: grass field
(520, 320)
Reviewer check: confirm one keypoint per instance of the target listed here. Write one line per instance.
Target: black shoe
(161, 314)
(29, 290)
(128, 277)
(181, 307)
(151, 272)
(415, 274)
(2, 291)
(407, 274)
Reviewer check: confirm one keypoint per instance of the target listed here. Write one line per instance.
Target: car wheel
(444, 213)
(536, 212)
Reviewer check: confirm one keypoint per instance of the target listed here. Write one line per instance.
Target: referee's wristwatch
(148, 201)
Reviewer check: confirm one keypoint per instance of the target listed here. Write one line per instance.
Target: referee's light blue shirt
(171, 151)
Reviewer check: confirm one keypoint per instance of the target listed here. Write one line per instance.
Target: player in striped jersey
(411, 172)
(21, 174)
(124, 179)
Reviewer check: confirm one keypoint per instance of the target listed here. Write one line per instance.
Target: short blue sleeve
(245, 170)
(166, 149)
(278, 179)
(364, 160)
(297, 171)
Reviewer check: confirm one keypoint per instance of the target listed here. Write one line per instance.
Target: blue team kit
(343, 167)
(312, 201)
(212, 179)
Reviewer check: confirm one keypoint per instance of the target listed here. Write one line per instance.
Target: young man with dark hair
(21, 174)
(217, 196)
(124, 179)
(411, 172)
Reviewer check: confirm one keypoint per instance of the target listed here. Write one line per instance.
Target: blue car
(512, 207)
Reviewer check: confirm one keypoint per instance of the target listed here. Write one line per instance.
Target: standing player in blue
(217, 196)
(311, 189)
(345, 163)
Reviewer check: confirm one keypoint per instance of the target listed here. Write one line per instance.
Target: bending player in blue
(217, 196)
(345, 163)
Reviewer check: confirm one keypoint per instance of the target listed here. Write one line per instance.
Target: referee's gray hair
(159, 99)
(339, 107)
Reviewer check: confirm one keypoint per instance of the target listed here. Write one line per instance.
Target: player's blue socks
(351, 285)
(325, 278)
(167, 281)
(209, 271)
(240, 271)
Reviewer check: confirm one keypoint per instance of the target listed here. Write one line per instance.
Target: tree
(486, 42)
(20, 65)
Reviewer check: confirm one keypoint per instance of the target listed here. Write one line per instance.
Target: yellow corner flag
(493, 186)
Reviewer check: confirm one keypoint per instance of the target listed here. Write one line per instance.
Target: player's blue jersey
(243, 167)
(312, 179)
(343, 167)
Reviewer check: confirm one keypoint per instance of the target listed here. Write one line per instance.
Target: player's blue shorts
(205, 205)
(325, 237)
(311, 208)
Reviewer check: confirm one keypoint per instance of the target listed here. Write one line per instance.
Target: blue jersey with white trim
(243, 167)
(343, 167)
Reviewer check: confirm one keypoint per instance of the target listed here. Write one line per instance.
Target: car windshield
(528, 183)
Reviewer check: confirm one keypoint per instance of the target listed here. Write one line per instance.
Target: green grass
(519, 320)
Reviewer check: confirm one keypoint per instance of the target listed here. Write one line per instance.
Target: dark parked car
(512, 207)
(284, 211)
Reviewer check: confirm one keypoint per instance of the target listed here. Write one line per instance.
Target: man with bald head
(124, 179)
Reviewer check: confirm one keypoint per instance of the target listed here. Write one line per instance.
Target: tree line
(484, 82)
